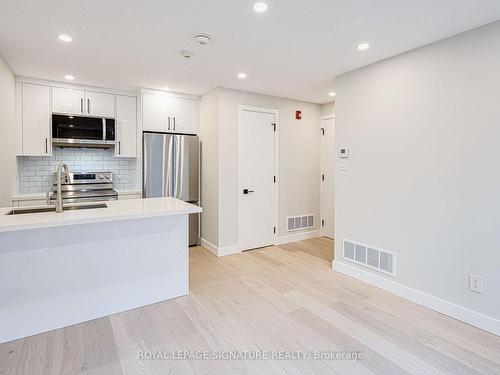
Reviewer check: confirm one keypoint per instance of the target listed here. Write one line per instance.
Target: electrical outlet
(475, 283)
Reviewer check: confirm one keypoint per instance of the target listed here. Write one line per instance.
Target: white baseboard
(235, 249)
(298, 237)
(209, 246)
(463, 314)
(229, 250)
(220, 251)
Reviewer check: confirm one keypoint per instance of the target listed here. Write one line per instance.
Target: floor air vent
(370, 256)
(300, 222)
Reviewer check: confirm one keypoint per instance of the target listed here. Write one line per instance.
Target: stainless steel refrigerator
(171, 169)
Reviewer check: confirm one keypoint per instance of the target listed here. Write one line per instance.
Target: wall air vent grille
(300, 222)
(370, 256)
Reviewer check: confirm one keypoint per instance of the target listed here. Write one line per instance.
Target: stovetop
(85, 186)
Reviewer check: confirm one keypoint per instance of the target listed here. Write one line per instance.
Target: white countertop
(115, 211)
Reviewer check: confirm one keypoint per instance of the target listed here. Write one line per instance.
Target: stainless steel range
(85, 187)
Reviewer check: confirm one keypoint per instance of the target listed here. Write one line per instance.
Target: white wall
(328, 108)
(7, 134)
(209, 136)
(423, 179)
(299, 158)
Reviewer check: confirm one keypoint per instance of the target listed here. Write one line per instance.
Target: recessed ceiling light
(65, 38)
(332, 94)
(260, 7)
(363, 46)
(69, 77)
(242, 75)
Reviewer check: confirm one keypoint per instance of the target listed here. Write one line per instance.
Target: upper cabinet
(184, 115)
(155, 112)
(34, 109)
(68, 100)
(126, 127)
(99, 104)
(79, 102)
(37, 100)
(163, 112)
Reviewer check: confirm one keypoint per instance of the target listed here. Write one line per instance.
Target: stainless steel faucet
(59, 201)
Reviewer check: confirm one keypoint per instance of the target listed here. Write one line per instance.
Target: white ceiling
(294, 50)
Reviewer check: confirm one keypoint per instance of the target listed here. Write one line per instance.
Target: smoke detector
(188, 55)
(203, 39)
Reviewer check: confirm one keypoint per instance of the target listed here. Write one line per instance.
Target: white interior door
(257, 209)
(327, 175)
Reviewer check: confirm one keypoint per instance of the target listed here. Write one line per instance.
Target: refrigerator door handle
(179, 166)
(171, 170)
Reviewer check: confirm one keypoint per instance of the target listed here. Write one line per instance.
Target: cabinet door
(36, 120)
(155, 112)
(99, 105)
(184, 115)
(126, 126)
(67, 101)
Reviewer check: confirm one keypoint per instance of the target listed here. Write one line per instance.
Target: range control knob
(107, 176)
(101, 176)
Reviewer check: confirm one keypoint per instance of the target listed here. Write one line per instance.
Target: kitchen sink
(20, 211)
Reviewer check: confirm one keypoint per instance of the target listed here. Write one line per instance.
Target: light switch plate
(343, 153)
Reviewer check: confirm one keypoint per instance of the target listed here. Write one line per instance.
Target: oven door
(82, 131)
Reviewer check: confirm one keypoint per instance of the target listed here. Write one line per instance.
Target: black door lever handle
(246, 191)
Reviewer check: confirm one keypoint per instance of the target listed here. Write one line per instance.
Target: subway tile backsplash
(34, 173)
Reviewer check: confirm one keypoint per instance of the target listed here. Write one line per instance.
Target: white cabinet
(126, 127)
(79, 102)
(184, 113)
(168, 113)
(99, 105)
(35, 120)
(68, 100)
(155, 112)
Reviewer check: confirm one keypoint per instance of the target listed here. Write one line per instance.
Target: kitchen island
(66, 268)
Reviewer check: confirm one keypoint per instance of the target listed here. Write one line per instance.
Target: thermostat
(344, 153)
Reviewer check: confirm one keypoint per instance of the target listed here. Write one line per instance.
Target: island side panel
(55, 277)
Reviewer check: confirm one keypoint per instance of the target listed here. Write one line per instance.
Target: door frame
(323, 118)
(275, 112)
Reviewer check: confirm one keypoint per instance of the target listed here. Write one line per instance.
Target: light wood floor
(277, 298)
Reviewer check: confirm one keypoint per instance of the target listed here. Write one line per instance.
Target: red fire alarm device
(298, 115)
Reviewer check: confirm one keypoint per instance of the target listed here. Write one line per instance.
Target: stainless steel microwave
(80, 131)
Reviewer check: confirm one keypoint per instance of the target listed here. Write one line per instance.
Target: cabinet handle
(119, 148)
(46, 146)
(168, 123)
(174, 123)
(88, 106)
(81, 105)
